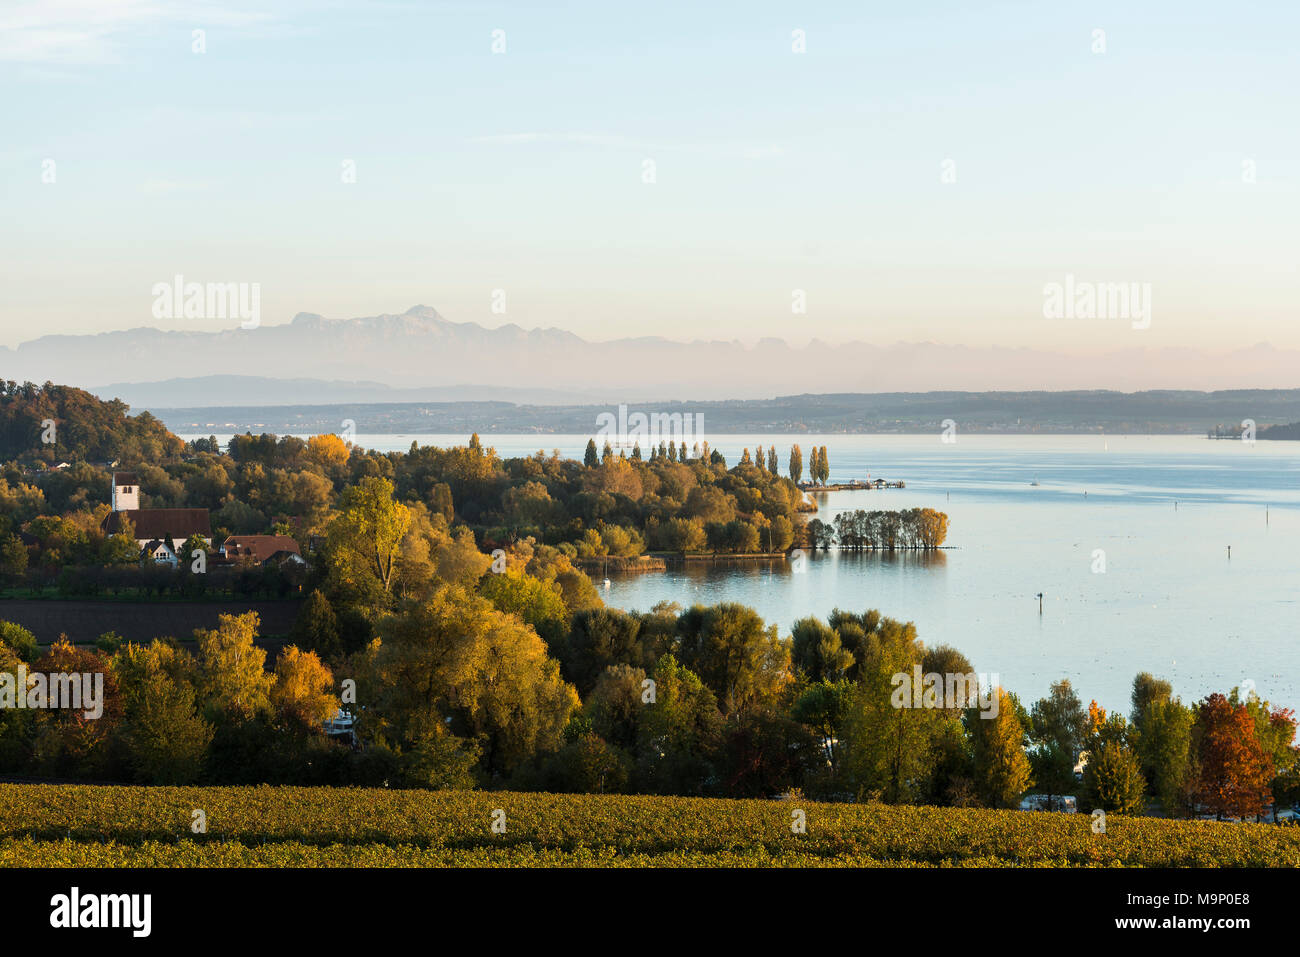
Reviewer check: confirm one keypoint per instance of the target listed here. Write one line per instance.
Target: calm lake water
(1162, 509)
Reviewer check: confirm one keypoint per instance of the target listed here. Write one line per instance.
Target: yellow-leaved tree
(363, 543)
(232, 679)
(303, 693)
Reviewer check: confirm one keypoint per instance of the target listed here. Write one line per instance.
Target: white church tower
(126, 492)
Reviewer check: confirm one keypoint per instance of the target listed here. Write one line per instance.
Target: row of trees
(860, 530)
(1227, 755)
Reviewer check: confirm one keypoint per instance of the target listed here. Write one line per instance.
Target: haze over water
(1170, 601)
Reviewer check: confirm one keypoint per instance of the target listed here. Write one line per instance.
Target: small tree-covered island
(444, 635)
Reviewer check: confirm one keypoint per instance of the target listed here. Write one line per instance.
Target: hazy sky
(523, 171)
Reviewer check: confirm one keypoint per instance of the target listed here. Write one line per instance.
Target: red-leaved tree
(1235, 774)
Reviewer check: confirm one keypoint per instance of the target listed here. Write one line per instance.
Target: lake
(1159, 514)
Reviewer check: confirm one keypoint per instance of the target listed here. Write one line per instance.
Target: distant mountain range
(234, 391)
(420, 356)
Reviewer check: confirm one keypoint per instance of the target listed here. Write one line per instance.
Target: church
(160, 532)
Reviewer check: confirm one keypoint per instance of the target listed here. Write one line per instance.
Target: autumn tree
(536, 602)
(453, 664)
(1002, 770)
(1234, 773)
(73, 741)
(796, 464)
(1275, 729)
(231, 675)
(363, 541)
(303, 692)
(328, 451)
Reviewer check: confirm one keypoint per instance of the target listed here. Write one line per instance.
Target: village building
(261, 550)
(160, 532)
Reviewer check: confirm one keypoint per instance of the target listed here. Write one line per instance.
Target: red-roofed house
(262, 549)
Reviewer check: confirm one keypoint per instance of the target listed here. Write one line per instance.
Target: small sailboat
(1035, 482)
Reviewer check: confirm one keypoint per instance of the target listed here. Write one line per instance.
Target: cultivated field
(83, 621)
(82, 826)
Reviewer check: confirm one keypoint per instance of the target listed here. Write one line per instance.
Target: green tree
(824, 707)
(317, 628)
(1163, 728)
(598, 639)
(796, 464)
(166, 740)
(588, 765)
(1112, 777)
(13, 556)
(732, 651)
(818, 652)
(677, 733)
(615, 705)
(1057, 726)
(18, 639)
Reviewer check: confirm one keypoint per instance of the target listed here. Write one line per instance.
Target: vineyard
(82, 826)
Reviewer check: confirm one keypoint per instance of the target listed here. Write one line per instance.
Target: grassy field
(81, 826)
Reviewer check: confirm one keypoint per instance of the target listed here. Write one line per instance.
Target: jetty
(850, 486)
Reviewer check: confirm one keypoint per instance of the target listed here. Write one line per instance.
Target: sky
(919, 172)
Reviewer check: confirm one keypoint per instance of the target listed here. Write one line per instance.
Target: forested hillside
(49, 423)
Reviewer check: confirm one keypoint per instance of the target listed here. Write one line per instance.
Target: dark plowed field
(84, 621)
